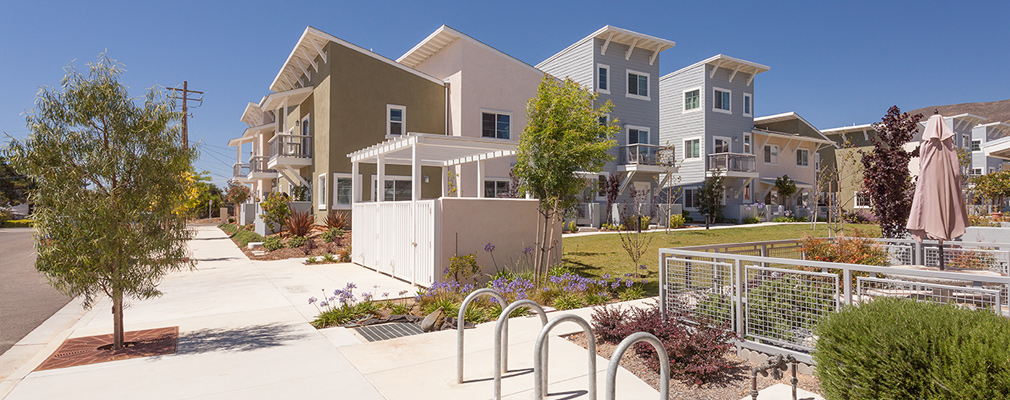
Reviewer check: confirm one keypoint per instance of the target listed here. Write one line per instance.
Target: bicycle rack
(615, 361)
(460, 322)
(540, 367)
(501, 353)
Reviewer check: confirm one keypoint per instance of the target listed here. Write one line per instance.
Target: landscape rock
(433, 321)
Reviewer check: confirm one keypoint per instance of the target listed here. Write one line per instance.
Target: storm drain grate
(392, 330)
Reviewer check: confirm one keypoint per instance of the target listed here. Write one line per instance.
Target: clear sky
(834, 62)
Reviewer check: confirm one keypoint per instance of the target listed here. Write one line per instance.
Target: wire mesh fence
(700, 287)
(968, 257)
(783, 306)
(869, 288)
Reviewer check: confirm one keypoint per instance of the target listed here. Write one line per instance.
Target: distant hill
(995, 111)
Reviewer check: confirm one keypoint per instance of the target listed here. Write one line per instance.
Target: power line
(185, 113)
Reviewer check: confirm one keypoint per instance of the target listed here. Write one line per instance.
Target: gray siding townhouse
(981, 136)
(621, 66)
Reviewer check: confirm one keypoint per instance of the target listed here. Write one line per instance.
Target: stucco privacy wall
(468, 224)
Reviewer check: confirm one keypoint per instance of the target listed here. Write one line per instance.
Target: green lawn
(596, 255)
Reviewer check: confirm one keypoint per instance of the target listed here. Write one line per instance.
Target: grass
(596, 255)
(16, 223)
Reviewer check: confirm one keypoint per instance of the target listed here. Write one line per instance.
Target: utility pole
(185, 108)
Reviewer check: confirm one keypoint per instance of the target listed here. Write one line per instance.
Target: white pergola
(427, 150)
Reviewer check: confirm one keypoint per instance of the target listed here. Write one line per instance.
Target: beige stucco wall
(468, 224)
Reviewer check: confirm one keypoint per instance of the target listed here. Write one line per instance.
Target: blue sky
(835, 63)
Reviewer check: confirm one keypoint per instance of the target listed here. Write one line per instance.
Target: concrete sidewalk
(244, 333)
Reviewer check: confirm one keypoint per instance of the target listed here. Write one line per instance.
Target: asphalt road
(26, 299)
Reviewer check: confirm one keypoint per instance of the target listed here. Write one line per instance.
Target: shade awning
(434, 150)
(998, 148)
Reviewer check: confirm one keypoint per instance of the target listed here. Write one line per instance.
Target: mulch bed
(734, 384)
(98, 349)
(315, 247)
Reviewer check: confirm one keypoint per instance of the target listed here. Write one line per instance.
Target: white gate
(397, 238)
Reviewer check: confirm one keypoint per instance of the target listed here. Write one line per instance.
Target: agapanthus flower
(489, 247)
(312, 300)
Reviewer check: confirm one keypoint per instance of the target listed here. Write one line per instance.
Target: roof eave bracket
(603, 50)
(627, 55)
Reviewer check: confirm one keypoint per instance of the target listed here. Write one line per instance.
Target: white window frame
(701, 149)
(684, 197)
(966, 141)
(855, 200)
(748, 188)
(627, 134)
(648, 85)
(727, 139)
(496, 112)
(972, 145)
(386, 178)
(714, 95)
(335, 204)
(747, 97)
(389, 121)
(976, 171)
(305, 124)
(598, 88)
(807, 165)
(701, 100)
(321, 188)
(748, 143)
(600, 196)
(483, 185)
(764, 150)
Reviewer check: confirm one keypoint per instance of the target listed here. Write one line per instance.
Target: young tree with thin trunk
(886, 178)
(710, 197)
(110, 174)
(563, 135)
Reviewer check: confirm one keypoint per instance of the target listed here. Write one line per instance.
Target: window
(692, 99)
(396, 190)
(748, 192)
(322, 191)
(496, 188)
(495, 125)
(817, 161)
(803, 158)
(748, 104)
(692, 148)
(691, 198)
(976, 145)
(638, 84)
(721, 145)
(720, 100)
(965, 141)
(638, 135)
(603, 78)
(862, 200)
(746, 143)
(601, 190)
(771, 154)
(396, 117)
(976, 171)
(342, 190)
(306, 127)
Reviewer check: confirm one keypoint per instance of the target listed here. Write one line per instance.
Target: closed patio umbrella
(938, 209)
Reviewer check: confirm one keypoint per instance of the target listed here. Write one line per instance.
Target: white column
(238, 153)
(459, 180)
(355, 184)
(380, 180)
(480, 179)
(415, 172)
(445, 181)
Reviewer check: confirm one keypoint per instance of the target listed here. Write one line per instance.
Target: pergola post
(445, 181)
(355, 184)
(415, 173)
(459, 180)
(380, 184)
(480, 179)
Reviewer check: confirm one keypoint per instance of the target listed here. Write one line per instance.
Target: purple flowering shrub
(342, 307)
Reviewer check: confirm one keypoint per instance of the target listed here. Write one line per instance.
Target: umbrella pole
(943, 262)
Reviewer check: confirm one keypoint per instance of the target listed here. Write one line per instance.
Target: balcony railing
(259, 164)
(641, 154)
(731, 162)
(296, 146)
(240, 170)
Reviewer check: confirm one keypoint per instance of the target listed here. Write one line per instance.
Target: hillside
(995, 111)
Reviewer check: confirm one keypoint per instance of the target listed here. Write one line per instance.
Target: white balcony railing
(259, 164)
(240, 170)
(642, 154)
(295, 146)
(731, 162)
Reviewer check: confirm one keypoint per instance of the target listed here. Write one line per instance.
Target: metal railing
(731, 162)
(240, 169)
(287, 145)
(259, 164)
(774, 303)
(640, 154)
(994, 257)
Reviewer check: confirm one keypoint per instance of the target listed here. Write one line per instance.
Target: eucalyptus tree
(564, 135)
(110, 172)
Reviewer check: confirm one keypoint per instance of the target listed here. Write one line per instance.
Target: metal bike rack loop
(501, 353)
(460, 322)
(540, 368)
(615, 361)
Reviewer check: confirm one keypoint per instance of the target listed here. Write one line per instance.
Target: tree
(994, 186)
(563, 135)
(666, 158)
(885, 171)
(14, 187)
(710, 197)
(110, 174)
(786, 187)
(633, 240)
(237, 193)
(611, 188)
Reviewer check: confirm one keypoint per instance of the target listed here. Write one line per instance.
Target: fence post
(847, 285)
(740, 284)
(662, 285)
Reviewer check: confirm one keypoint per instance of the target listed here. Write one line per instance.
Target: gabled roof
(252, 115)
(443, 37)
(788, 116)
(847, 129)
(294, 96)
(724, 61)
(793, 136)
(312, 44)
(613, 34)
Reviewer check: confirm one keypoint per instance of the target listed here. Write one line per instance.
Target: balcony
(259, 169)
(240, 172)
(732, 164)
(290, 150)
(643, 157)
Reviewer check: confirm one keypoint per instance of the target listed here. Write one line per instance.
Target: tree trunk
(117, 319)
(550, 226)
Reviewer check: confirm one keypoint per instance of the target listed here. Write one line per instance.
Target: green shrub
(572, 227)
(273, 243)
(633, 293)
(569, 301)
(751, 220)
(17, 223)
(229, 229)
(462, 267)
(612, 227)
(686, 215)
(901, 349)
(276, 210)
(629, 222)
(845, 249)
(677, 221)
(243, 237)
(787, 305)
(311, 260)
(297, 241)
(332, 235)
(329, 258)
(344, 255)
